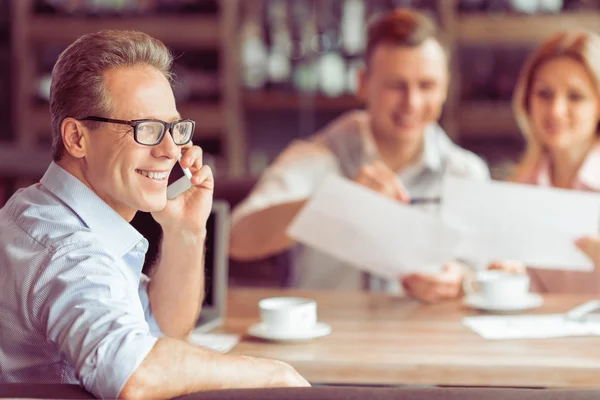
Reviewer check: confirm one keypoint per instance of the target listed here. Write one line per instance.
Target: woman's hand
(516, 267)
(590, 245)
(433, 288)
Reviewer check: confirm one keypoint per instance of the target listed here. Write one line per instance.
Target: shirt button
(140, 245)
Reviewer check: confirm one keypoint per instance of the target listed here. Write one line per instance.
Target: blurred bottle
(353, 28)
(279, 68)
(525, 6)
(306, 69)
(354, 66)
(332, 65)
(552, 6)
(254, 50)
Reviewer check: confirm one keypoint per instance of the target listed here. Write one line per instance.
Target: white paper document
(507, 221)
(529, 326)
(220, 342)
(372, 232)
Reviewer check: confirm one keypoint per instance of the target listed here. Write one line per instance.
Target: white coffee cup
(288, 314)
(498, 288)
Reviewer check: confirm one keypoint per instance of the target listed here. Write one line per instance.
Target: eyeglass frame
(168, 126)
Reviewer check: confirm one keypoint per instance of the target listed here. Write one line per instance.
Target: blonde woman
(557, 106)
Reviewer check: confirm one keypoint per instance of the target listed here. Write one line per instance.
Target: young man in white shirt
(394, 147)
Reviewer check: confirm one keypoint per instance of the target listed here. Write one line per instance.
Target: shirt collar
(112, 229)
(435, 147)
(588, 176)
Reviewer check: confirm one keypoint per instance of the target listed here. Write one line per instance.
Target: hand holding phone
(180, 180)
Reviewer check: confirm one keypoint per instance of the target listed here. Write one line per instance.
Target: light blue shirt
(74, 306)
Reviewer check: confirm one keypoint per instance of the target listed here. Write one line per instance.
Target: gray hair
(78, 89)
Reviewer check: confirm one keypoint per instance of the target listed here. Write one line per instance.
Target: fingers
(378, 177)
(590, 245)
(203, 178)
(516, 267)
(191, 157)
(434, 288)
(395, 187)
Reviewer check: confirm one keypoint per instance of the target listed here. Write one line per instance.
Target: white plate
(259, 330)
(532, 300)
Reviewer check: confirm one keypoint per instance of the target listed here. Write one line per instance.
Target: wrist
(184, 236)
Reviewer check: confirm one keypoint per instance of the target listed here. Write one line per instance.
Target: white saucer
(532, 300)
(259, 330)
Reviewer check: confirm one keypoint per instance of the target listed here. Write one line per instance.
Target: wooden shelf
(195, 31)
(268, 101)
(209, 119)
(493, 28)
(209, 122)
(487, 119)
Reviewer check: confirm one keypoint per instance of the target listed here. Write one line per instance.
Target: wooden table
(383, 340)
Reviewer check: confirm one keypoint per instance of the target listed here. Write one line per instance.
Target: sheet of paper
(372, 232)
(507, 221)
(221, 342)
(543, 326)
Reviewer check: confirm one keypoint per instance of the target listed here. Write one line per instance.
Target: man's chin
(407, 134)
(153, 205)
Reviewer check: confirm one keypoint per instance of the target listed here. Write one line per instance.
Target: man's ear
(73, 137)
(448, 85)
(362, 79)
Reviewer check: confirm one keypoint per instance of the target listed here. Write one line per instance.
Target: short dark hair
(401, 27)
(77, 87)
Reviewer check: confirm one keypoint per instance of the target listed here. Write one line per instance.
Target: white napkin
(502, 327)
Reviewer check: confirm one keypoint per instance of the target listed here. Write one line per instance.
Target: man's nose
(167, 147)
(412, 99)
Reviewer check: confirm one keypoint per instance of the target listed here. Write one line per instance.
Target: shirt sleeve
(294, 175)
(87, 303)
(145, 300)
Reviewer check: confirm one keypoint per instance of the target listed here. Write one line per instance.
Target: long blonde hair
(582, 46)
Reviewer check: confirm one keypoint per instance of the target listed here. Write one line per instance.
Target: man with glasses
(75, 306)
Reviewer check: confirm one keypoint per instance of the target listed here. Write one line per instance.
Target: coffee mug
(288, 314)
(498, 288)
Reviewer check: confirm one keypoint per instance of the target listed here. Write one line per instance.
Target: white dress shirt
(341, 148)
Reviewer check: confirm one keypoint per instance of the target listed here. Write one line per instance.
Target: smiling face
(126, 175)
(405, 89)
(564, 106)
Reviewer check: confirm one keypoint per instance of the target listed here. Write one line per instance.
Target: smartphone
(180, 180)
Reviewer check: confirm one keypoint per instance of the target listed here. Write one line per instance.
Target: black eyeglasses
(150, 132)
